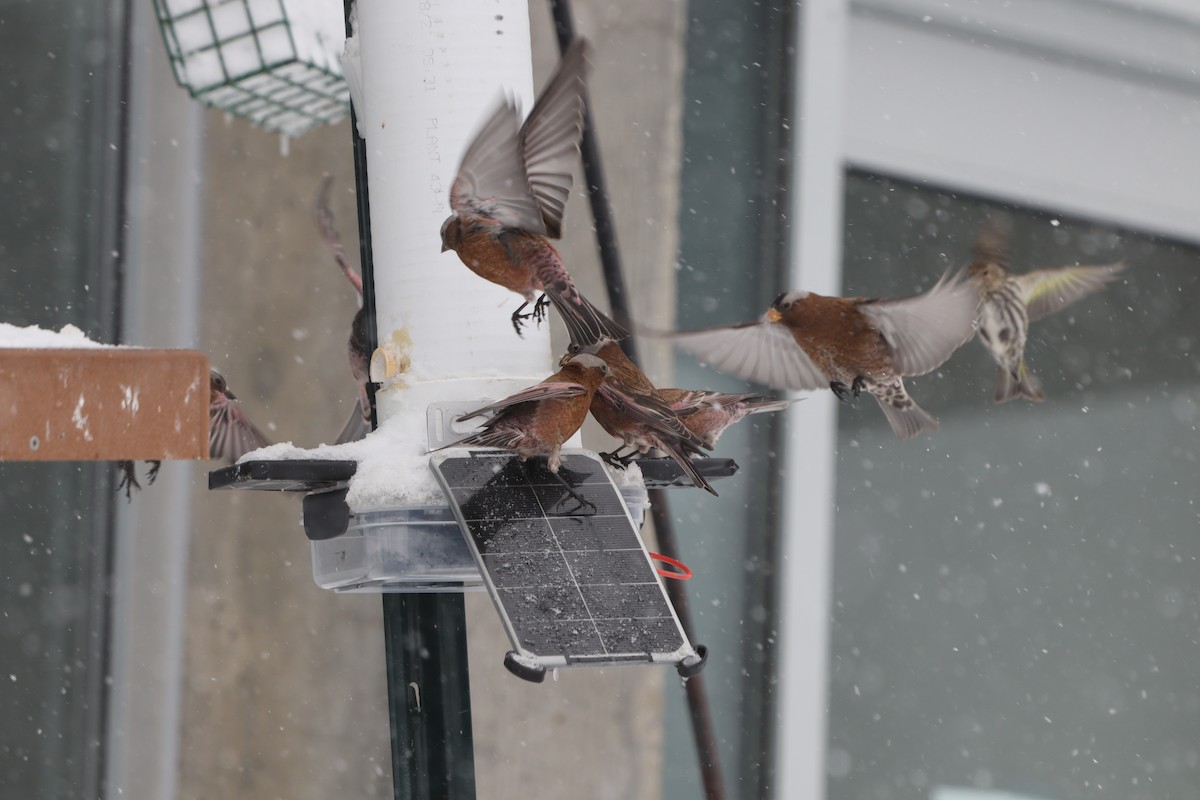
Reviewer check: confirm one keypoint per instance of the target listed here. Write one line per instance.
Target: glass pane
(56, 206)
(1014, 597)
(729, 256)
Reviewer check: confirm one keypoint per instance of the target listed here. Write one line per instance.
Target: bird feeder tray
(103, 404)
(275, 63)
(404, 549)
(315, 475)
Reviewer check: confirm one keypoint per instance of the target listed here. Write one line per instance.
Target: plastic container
(419, 549)
(637, 499)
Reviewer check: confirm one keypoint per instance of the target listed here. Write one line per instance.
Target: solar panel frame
(506, 485)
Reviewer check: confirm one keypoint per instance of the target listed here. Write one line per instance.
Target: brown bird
(231, 434)
(536, 421)
(630, 408)
(508, 201)
(1011, 302)
(357, 351)
(807, 341)
(707, 414)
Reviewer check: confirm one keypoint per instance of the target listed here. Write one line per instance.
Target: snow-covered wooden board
(102, 404)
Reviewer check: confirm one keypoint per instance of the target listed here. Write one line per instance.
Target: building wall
(284, 689)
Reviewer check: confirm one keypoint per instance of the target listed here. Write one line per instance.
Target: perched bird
(707, 414)
(358, 352)
(629, 407)
(231, 434)
(536, 421)
(508, 200)
(1011, 302)
(807, 341)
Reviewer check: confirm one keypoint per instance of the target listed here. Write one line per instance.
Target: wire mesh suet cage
(273, 62)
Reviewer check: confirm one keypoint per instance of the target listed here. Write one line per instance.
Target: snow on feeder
(275, 63)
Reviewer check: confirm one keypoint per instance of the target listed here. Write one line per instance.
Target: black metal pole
(610, 261)
(425, 635)
(429, 703)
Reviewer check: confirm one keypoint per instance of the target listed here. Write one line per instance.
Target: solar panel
(563, 562)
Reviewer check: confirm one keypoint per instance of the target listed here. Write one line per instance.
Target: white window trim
(1087, 108)
(1084, 107)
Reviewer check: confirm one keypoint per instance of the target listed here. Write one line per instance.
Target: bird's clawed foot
(617, 461)
(538, 314)
(129, 480)
(539, 309)
(152, 473)
(843, 391)
(518, 318)
(581, 502)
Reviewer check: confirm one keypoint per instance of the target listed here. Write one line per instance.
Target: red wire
(683, 574)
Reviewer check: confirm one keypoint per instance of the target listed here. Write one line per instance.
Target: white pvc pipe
(430, 75)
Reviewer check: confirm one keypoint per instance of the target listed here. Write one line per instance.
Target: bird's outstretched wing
(520, 175)
(1050, 290)
(491, 180)
(549, 139)
(231, 434)
(924, 331)
(992, 243)
(763, 351)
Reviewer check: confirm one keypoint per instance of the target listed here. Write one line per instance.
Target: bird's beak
(445, 247)
(773, 314)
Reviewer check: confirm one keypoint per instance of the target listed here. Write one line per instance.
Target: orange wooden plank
(103, 404)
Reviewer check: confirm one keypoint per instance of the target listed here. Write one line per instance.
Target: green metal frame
(286, 94)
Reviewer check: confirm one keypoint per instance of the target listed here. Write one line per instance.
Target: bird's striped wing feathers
(491, 181)
(1049, 290)
(520, 175)
(765, 352)
(645, 409)
(231, 434)
(549, 139)
(542, 391)
(923, 331)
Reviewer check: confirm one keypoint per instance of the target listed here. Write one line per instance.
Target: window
(947, 637)
(60, 191)
(1013, 598)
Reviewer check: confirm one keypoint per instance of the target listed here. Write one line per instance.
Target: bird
(1011, 302)
(707, 414)
(357, 351)
(807, 341)
(537, 420)
(231, 435)
(629, 407)
(508, 197)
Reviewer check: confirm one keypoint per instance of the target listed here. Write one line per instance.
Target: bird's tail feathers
(679, 453)
(1023, 384)
(908, 422)
(585, 323)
